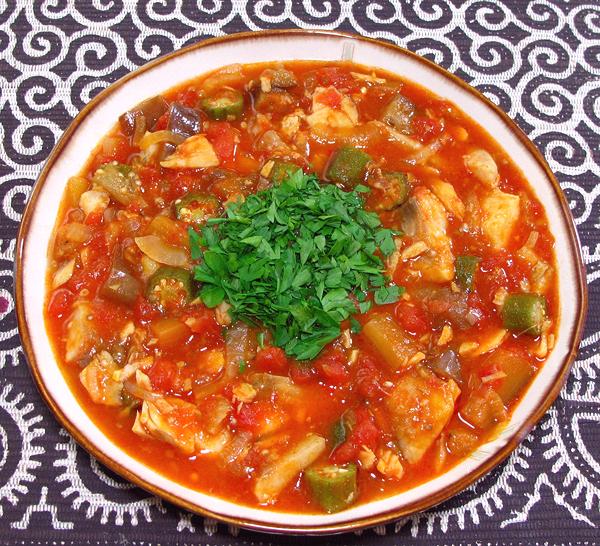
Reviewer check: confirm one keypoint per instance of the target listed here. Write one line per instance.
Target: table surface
(540, 61)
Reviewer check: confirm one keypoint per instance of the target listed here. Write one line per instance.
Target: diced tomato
(426, 129)
(222, 137)
(412, 318)
(188, 98)
(368, 377)
(60, 303)
(163, 375)
(95, 218)
(161, 122)
(330, 97)
(144, 311)
(338, 78)
(271, 359)
(331, 365)
(364, 433)
(97, 264)
(253, 416)
(301, 373)
(203, 324)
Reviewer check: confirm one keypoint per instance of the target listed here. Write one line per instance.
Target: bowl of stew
(298, 281)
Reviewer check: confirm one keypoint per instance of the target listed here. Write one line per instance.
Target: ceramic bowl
(97, 118)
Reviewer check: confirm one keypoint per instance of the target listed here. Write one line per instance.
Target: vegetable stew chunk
(430, 227)
(420, 406)
(171, 420)
(96, 377)
(276, 476)
(500, 213)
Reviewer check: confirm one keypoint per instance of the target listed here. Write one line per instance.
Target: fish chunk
(81, 334)
(332, 109)
(429, 224)
(499, 215)
(97, 378)
(171, 420)
(195, 152)
(483, 167)
(420, 406)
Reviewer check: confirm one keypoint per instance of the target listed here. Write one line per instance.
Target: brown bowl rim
(353, 525)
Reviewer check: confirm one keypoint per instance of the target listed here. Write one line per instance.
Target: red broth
(405, 391)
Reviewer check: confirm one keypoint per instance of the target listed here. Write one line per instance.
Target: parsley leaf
(300, 258)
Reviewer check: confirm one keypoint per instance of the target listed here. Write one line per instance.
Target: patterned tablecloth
(540, 61)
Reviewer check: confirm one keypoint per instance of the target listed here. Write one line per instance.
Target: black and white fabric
(539, 60)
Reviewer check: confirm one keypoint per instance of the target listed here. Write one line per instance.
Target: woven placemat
(540, 61)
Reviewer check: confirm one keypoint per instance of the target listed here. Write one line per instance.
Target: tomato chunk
(412, 318)
(331, 365)
(60, 303)
(222, 137)
(365, 433)
(271, 359)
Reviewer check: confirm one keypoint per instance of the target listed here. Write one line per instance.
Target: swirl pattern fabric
(538, 60)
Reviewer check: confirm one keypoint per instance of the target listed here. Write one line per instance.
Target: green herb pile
(299, 258)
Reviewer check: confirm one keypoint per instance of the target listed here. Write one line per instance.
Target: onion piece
(154, 247)
(236, 348)
(136, 391)
(156, 137)
(426, 152)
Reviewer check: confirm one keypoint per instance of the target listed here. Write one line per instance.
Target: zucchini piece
(333, 487)
(170, 287)
(196, 208)
(524, 313)
(226, 103)
(464, 270)
(393, 189)
(120, 181)
(399, 113)
(347, 166)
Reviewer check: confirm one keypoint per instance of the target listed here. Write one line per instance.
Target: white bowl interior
(255, 49)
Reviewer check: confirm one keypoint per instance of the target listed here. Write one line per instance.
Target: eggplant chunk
(429, 223)
(120, 286)
(143, 117)
(420, 406)
(399, 113)
(120, 181)
(184, 121)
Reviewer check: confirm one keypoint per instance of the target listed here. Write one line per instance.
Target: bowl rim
(351, 525)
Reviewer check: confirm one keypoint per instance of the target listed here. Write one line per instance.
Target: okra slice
(197, 207)
(170, 287)
(333, 487)
(226, 103)
(524, 313)
(347, 166)
(279, 170)
(120, 181)
(464, 270)
(394, 189)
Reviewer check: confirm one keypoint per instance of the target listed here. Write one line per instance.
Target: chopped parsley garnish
(299, 258)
